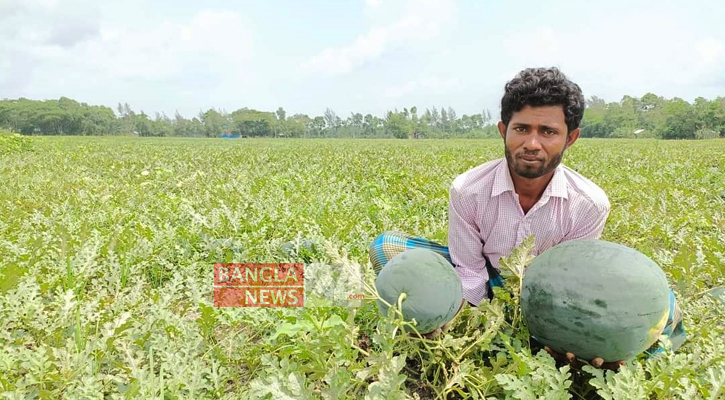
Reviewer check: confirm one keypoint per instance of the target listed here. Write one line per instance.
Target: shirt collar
(558, 186)
(502, 182)
(502, 179)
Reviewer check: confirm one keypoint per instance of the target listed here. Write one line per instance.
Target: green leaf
(291, 330)
(334, 320)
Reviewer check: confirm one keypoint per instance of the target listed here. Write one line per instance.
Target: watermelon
(433, 288)
(595, 299)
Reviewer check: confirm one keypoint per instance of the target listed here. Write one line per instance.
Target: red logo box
(259, 285)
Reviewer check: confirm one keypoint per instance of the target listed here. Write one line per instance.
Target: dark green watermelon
(595, 299)
(433, 288)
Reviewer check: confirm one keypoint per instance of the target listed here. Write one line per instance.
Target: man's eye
(549, 132)
(519, 129)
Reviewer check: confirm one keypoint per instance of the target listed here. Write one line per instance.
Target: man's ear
(572, 137)
(502, 129)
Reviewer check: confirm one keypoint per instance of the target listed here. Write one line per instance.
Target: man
(493, 207)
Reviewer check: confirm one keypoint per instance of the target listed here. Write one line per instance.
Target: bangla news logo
(259, 285)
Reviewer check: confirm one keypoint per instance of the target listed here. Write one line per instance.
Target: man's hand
(570, 358)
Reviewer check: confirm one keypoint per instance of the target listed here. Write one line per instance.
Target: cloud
(434, 84)
(709, 50)
(212, 42)
(161, 58)
(535, 47)
(421, 21)
(32, 35)
(49, 57)
(71, 34)
(373, 3)
(636, 56)
(401, 90)
(32, 23)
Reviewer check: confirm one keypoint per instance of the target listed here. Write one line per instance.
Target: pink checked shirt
(485, 217)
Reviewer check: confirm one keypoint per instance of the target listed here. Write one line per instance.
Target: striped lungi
(389, 244)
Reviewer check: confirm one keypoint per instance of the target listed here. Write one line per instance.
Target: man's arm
(588, 223)
(466, 247)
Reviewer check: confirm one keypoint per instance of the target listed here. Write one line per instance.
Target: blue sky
(365, 56)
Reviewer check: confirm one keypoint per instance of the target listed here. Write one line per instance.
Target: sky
(366, 56)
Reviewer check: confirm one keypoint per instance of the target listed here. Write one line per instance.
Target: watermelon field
(107, 248)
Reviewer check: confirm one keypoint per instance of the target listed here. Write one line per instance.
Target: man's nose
(532, 141)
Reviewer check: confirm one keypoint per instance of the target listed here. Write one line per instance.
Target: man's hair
(543, 87)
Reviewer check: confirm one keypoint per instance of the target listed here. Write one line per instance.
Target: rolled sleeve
(466, 247)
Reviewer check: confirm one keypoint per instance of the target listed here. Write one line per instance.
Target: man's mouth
(529, 158)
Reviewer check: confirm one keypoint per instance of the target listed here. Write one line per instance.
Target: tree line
(650, 116)
(653, 116)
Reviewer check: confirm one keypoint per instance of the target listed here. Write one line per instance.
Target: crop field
(107, 248)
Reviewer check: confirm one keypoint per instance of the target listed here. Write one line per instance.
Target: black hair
(543, 87)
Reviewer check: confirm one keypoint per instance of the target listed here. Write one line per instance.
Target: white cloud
(421, 21)
(34, 23)
(213, 41)
(638, 57)
(428, 84)
(412, 52)
(535, 47)
(401, 90)
(373, 3)
(439, 84)
(709, 50)
(49, 57)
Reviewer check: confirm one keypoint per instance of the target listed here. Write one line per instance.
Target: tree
(445, 124)
(142, 125)
(452, 120)
(281, 114)
(414, 122)
(332, 121)
(652, 115)
(465, 123)
(369, 125)
(680, 122)
(649, 116)
(298, 125)
(317, 126)
(593, 124)
(355, 124)
(435, 118)
(214, 122)
(255, 123)
(485, 117)
(397, 126)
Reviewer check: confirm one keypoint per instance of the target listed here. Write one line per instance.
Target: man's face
(536, 139)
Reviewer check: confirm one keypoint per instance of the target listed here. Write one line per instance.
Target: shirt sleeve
(589, 222)
(466, 247)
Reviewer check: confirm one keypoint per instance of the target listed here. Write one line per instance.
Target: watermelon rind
(595, 298)
(433, 289)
